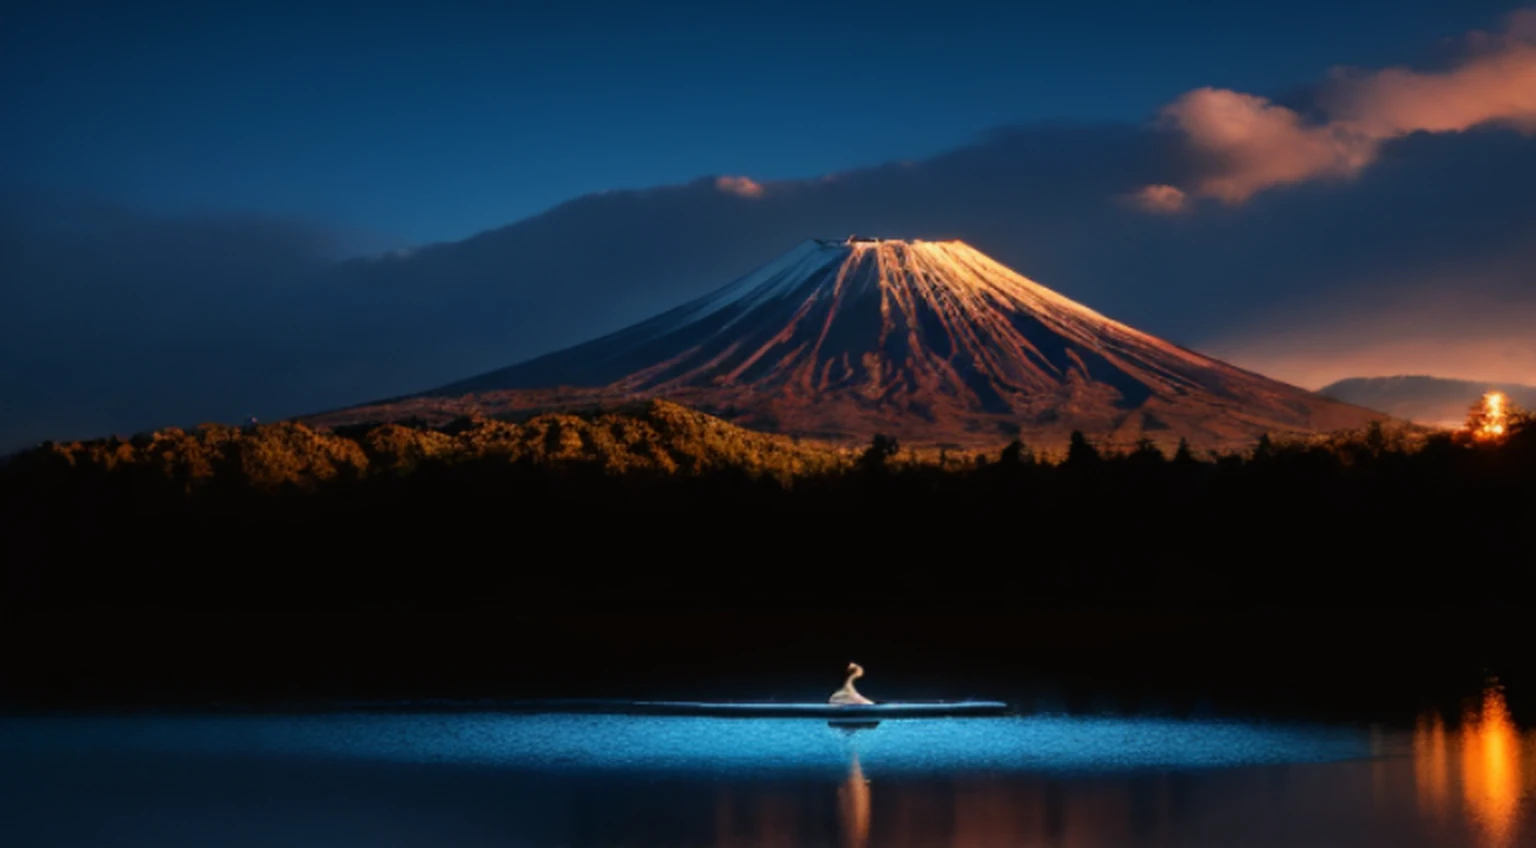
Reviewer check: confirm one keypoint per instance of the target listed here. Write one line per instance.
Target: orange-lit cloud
(1245, 144)
(742, 186)
(1497, 85)
(1250, 144)
(1159, 198)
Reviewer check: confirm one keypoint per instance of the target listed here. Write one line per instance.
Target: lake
(456, 780)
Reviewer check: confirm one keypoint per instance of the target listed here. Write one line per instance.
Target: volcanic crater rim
(858, 239)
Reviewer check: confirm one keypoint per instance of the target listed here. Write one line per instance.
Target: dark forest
(664, 505)
(656, 551)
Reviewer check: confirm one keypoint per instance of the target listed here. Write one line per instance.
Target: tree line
(663, 503)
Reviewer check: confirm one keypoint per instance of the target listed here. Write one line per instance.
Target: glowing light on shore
(1495, 423)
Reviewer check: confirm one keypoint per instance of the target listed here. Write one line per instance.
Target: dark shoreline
(1345, 665)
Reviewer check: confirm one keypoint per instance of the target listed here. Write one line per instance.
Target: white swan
(848, 695)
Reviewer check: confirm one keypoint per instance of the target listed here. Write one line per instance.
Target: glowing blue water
(688, 744)
(487, 780)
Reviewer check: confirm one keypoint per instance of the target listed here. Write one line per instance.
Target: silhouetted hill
(1433, 401)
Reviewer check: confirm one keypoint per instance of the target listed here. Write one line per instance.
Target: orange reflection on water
(1486, 760)
(1492, 784)
(1432, 766)
(769, 820)
(986, 814)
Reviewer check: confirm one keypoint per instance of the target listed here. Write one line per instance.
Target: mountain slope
(930, 341)
(1432, 401)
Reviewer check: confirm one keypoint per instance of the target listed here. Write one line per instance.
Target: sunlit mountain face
(929, 341)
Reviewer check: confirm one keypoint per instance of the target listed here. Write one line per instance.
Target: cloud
(1243, 144)
(1497, 88)
(117, 320)
(1160, 198)
(741, 186)
(1250, 144)
(1522, 25)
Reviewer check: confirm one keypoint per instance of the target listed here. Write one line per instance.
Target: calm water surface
(459, 780)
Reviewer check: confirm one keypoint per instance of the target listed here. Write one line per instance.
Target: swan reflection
(853, 806)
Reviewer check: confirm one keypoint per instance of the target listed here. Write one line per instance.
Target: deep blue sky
(433, 122)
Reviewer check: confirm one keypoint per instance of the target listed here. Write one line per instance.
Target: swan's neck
(852, 676)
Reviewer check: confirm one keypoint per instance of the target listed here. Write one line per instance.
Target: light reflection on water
(854, 806)
(1050, 782)
(1492, 763)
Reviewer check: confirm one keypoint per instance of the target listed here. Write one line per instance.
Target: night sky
(179, 180)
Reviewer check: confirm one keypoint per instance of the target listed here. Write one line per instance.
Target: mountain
(152, 320)
(932, 342)
(1432, 401)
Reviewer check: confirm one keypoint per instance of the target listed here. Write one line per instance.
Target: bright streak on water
(607, 743)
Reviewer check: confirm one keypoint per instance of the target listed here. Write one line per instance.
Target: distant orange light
(1495, 417)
